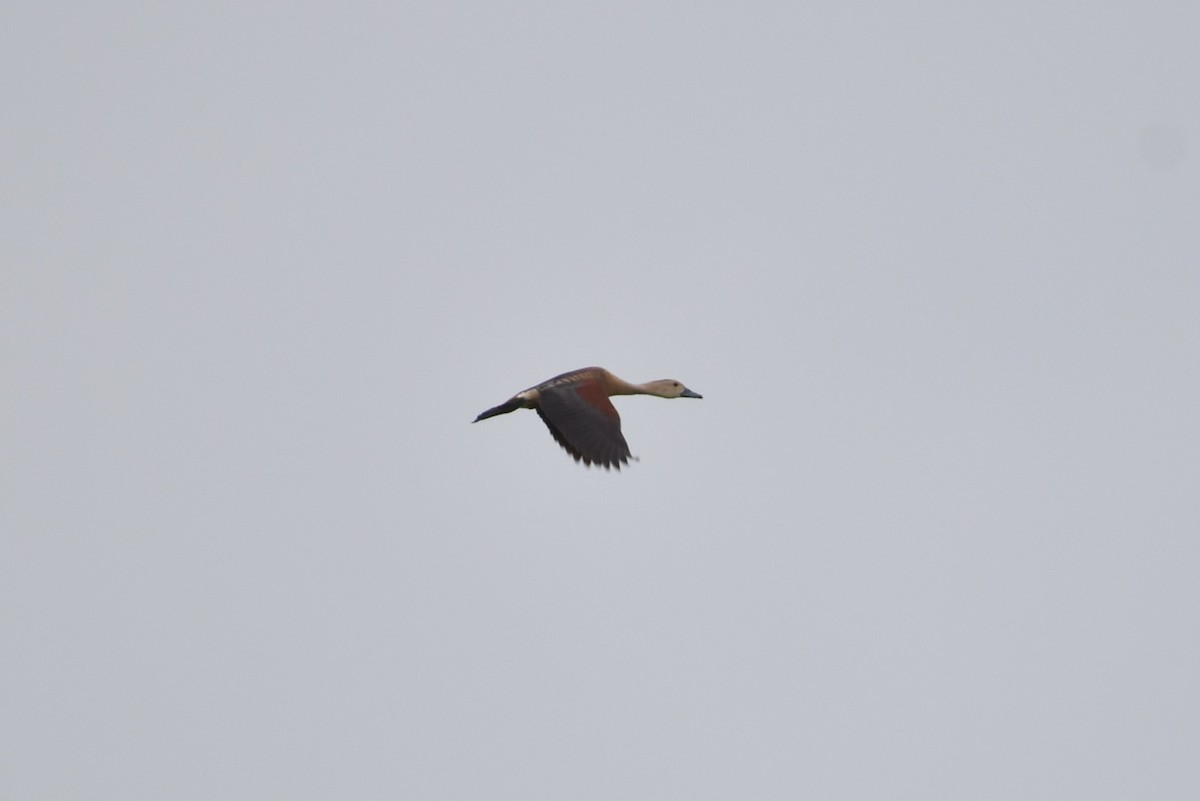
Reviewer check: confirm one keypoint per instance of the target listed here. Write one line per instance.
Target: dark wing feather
(585, 423)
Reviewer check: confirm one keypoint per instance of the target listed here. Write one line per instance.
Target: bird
(575, 407)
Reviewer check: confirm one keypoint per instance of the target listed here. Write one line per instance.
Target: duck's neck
(617, 386)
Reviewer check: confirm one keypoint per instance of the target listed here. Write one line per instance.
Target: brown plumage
(575, 406)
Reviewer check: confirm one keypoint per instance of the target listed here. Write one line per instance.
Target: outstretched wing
(585, 423)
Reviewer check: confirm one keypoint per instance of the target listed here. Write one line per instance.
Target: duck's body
(575, 407)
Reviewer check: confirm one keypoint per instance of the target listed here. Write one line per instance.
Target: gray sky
(933, 533)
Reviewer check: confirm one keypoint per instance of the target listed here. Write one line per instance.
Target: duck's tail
(510, 405)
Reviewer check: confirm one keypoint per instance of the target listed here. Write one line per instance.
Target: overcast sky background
(933, 532)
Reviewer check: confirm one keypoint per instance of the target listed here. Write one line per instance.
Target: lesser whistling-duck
(576, 409)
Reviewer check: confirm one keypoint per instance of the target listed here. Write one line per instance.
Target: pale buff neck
(618, 386)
